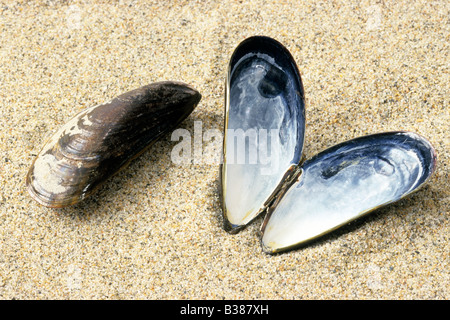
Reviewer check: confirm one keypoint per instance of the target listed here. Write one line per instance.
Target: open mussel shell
(103, 139)
(346, 182)
(264, 127)
(263, 169)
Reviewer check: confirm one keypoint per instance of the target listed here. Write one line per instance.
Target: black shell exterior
(101, 140)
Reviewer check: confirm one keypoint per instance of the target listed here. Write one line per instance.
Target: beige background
(155, 230)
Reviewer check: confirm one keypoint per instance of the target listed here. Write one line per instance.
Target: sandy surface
(155, 230)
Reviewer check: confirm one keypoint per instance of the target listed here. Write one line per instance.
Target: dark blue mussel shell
(264, 127)
(262, 172)
(346, 182)
(102, 140)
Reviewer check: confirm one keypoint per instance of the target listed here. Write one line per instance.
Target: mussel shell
(265, 107)
(101, 140)
(346, 182)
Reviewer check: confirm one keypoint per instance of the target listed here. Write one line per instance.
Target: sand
(154, 231)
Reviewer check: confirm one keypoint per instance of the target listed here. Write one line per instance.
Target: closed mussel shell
(101, 140)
